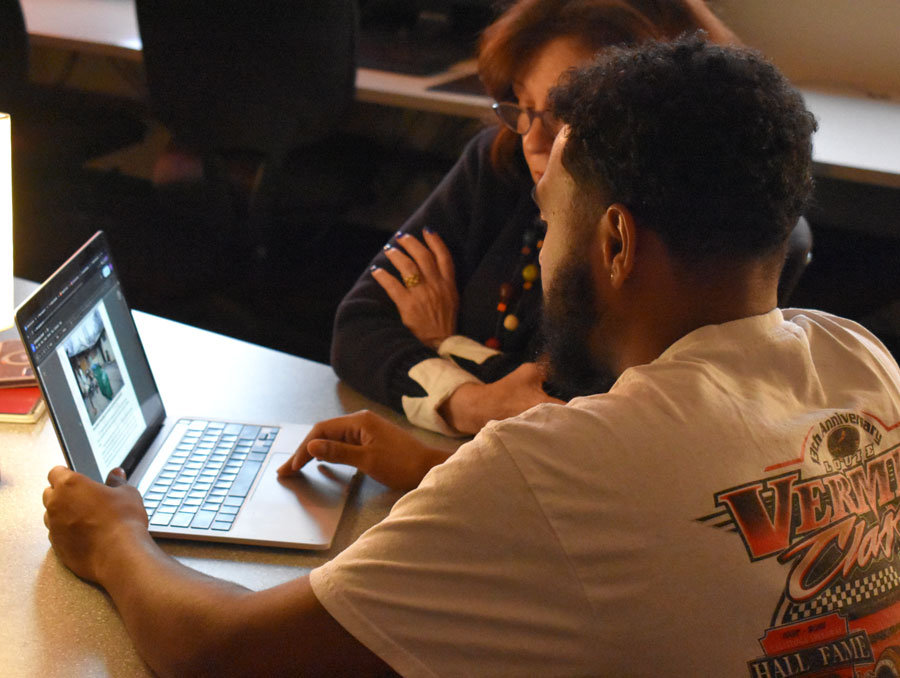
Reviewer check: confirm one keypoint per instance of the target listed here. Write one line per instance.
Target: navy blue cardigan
(482, 216)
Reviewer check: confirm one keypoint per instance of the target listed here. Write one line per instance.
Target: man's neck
(685, 300)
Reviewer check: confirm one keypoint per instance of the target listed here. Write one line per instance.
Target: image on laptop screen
(85, 348)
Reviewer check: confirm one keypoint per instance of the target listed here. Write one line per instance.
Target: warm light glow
(7, 305)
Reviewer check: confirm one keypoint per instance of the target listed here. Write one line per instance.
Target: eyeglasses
(520, 120)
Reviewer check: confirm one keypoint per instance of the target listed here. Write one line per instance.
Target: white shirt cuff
(440, 378)
(464, 347)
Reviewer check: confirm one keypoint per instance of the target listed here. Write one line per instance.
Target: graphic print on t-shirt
(831, 517)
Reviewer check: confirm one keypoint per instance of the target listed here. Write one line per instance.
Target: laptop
(201, 479)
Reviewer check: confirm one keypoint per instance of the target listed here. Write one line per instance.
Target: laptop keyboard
(208, 476)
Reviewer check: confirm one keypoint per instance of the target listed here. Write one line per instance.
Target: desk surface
(858, 139)
(56, 625)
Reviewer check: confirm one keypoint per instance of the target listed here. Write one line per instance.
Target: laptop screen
(82, 341)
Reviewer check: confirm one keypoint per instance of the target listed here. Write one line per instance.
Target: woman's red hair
(509, 44)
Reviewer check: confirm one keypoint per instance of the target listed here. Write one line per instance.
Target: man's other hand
(84, 517)
(372, 444)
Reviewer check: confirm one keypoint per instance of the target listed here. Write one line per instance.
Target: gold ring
(412, 280)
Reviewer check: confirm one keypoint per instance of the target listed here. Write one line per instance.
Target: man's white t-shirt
(726, 510)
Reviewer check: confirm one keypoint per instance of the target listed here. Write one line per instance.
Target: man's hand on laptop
(372, 444)
(85, 518)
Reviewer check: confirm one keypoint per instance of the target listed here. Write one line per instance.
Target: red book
(15, 369)
(21, 404)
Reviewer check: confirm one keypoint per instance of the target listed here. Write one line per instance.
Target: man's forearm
(186, 623)
(176, 616)
(463, 410)
(181, 621)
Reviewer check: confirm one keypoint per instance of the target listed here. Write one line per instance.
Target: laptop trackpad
(309, 505)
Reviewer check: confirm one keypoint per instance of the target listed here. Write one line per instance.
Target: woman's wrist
(435, 342)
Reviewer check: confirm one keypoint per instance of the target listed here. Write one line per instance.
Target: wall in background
(851, 46)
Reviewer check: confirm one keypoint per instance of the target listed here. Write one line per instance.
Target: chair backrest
(13, 51)
(797, 258)
(263, 75)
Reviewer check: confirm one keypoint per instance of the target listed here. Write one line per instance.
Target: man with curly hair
(728, 507)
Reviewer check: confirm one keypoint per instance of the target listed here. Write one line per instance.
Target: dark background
(166, 248)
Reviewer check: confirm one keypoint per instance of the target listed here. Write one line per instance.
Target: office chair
(798, 257)
(241, 85)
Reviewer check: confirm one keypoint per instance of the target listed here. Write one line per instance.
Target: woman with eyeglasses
(444, 326)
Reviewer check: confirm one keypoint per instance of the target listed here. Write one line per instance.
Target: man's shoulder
(832, 324)
(552, 436)
(761, 339)
(842, 336)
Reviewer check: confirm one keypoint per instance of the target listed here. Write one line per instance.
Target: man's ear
(618, 241)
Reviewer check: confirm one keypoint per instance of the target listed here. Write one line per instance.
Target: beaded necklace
(527, 271)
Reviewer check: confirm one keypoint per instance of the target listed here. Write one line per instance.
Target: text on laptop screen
(83, 342)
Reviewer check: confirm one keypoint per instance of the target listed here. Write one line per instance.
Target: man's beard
(570, 319)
